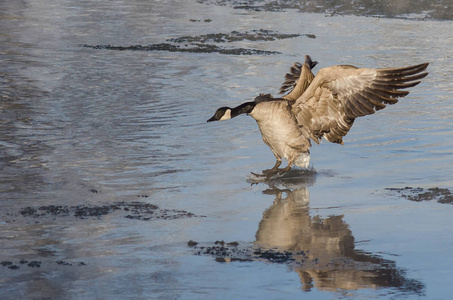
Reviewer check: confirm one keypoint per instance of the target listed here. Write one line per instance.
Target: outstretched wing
(339, 94)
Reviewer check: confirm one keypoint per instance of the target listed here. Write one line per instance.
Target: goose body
(281, 132)
(319, 107)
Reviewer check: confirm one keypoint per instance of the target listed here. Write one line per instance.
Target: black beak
(212, 119)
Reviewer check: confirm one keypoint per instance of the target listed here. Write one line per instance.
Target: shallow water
(97, 122)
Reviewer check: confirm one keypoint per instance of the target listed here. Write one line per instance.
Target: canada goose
(318, 107)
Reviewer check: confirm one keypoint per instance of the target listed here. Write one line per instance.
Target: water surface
(97, 124)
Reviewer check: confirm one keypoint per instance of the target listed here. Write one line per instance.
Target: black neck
(244, 108)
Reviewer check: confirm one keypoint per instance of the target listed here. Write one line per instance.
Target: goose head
(222, 114)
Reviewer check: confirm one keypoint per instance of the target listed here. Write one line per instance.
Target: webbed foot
(271, 172)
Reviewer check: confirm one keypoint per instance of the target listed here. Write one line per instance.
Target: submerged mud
(417, 194)
(14, 265)
(234, 36)
(357, 268)
(131, 210)
(49, 214)
(200, 48)
(207, 43)
(419, 9)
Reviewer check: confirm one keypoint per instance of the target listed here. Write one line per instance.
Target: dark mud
(206, 43)
(234, 36)
(361, 268)
(197, 20)
(417, 9)
(37, 264)
(131, 210)
(417, 194)
(200, 48)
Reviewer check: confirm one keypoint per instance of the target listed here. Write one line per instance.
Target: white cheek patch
(226, 115)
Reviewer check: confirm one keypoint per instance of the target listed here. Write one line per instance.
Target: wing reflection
(323, 249)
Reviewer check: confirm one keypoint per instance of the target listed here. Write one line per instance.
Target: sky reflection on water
(93, 127)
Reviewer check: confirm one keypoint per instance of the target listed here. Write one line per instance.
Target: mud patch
(207, 43)
(201, 48)
(412, 10)
(37, 264)
(234, 251)
(130, 210)
(235, 36)
(356, 270)
(197, 20)
(417, 194)
(222, 251)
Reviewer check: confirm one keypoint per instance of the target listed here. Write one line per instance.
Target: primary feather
(292, 77)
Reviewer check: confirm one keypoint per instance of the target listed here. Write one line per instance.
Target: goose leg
(284, 170)
(276, 170)
(287, 168)
(270, 172)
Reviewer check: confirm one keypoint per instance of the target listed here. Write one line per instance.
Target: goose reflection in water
(322, 248)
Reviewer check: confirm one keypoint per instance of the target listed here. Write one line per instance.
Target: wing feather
(291, 78)
(340, 94)
(298, 80)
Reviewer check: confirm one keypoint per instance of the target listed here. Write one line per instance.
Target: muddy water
(109, 169)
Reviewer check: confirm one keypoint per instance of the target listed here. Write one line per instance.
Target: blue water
(86, 126)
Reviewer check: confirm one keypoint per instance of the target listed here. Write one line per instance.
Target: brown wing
(291, 78)
(339, 94)
(298, 80)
